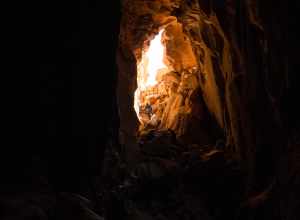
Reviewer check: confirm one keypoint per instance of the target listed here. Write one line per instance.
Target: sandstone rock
(174, 107)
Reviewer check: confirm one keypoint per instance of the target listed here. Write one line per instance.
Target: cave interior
(161, 110)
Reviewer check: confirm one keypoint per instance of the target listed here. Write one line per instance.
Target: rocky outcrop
(221, 61)
(175, 181)
(183, 106)
(205, 72)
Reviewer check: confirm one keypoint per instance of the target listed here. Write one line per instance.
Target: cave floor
(172, 181)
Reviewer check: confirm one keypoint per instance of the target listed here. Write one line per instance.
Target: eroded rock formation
(217, 56)
(202, 77)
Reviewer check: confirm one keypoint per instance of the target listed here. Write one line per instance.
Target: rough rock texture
(207, 65)
(184, 105)
(199, 51)
(174, 181)
(239, 82)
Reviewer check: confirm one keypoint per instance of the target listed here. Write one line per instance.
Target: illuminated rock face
(173, 83)
(217, 68)
(166, 79)
(193, 88)
(168, 94)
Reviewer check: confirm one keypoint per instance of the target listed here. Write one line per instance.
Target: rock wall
(141, 20)
(198, 51)
(219, 49)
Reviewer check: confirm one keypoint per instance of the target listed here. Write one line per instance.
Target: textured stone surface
(222, 58)
(192, 60)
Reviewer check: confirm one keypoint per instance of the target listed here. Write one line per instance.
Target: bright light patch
(147, 69)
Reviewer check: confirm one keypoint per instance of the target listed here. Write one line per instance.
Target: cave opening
(150, 95)
(168, 94)
(168, 77)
